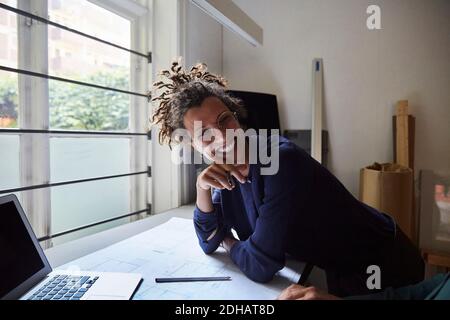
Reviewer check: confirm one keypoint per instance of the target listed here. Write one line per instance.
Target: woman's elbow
(208, 247)
(262, 276)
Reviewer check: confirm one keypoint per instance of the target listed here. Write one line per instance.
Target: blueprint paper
(172, 250)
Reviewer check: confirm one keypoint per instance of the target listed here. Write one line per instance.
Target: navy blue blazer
(302, 211)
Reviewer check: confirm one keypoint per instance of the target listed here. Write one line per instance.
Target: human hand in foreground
(228, 242)
(298, 292)
(219, 177)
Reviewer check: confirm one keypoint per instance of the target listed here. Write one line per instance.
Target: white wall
(203, 42)
(365, 73)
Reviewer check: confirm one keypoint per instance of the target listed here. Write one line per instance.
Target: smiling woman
(278, 213)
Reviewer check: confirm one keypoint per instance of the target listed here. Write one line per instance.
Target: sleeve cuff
(201, 215)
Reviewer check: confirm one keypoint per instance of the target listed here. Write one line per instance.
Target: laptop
(27, 275)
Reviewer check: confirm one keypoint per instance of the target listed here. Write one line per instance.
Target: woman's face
(207, 125)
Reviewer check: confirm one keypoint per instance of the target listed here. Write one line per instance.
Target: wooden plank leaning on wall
(404, 136)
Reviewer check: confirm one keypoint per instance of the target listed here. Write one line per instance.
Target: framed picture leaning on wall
(434, 222)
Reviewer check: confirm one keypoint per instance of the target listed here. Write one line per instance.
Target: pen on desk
(191, 279)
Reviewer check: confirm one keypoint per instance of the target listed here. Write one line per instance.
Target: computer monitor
(262, 109)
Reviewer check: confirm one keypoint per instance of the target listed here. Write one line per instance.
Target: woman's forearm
(206, 221)
(204, 201)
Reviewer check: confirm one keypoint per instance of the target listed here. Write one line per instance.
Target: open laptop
(27, 275)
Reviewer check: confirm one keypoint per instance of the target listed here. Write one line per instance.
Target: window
(4, 48)
(8, 82)
(3, 18)
(9, 161)
(74, 146)
(9, 113)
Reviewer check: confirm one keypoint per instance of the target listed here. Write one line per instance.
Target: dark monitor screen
(20, 260)
(262, 109)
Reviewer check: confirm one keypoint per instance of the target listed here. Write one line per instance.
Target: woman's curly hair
(178, 90)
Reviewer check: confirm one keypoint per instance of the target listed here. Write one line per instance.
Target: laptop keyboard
(63, 287)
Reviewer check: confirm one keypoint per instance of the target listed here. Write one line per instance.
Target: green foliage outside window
(77, 107)
(8, 101)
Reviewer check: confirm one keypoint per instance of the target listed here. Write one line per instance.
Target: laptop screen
(19, 259)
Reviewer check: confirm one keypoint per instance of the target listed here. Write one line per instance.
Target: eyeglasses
(224, 120)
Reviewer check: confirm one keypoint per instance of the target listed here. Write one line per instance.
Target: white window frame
(33, 91)
(140, 16)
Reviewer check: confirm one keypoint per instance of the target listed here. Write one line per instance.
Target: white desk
(70, 251)
(158, 248)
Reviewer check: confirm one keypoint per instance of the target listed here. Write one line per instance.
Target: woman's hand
(228, 243)
(219, 177)
(298, 292)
